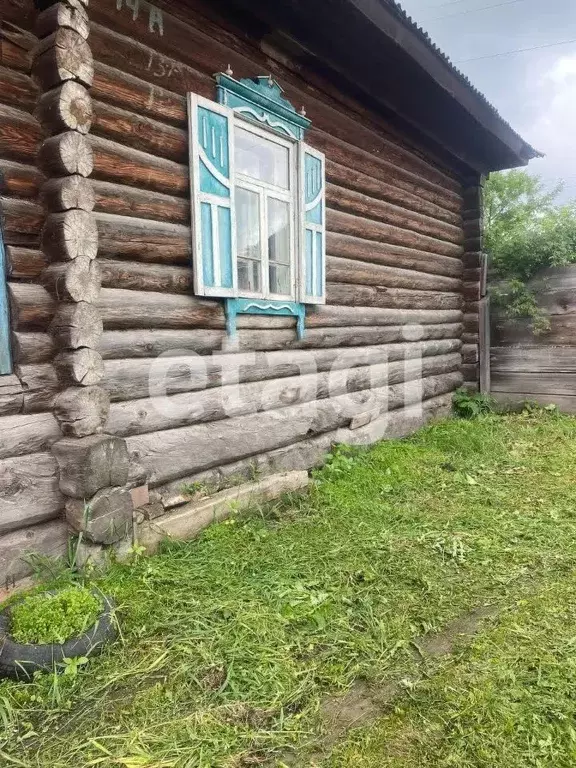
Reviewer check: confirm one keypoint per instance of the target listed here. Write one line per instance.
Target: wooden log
(138, 378)
(348, 224)
(69, 235)
(141, 343)
(64, 55)
(11, 395)
(48, 539)
(470, 353)
(139, 132)
(341, 149)
(340, 270)
(144, 239)
(305, 454)
(166, 455)
(114, 86)
(402, 298)
(128, 201)
(113, 162)
(155, 414)
(66, 154)
(70, 14)
(82, 366)
(63, 194)
(19, 179)
(143, 309)
(21, 217)
(350, 177)
(81, 411)
(31, 306)
(78, 280)
(360, 204)
(17, 89)
(192, 45)
(30, 347)
(29, 492)
(14, 55)
(350, 247)
(324, 315)
(27, 433)
(25, 263)
(471, 292)
(77, 325)
(40, 384)
(146, 277)
(66, 108)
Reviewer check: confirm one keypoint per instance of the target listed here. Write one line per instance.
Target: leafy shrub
(526, 231)
(54, 618)
(469, 405)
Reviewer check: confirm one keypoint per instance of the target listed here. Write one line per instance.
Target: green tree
(525, 232)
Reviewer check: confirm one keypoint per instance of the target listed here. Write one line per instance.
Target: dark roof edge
(476, 103)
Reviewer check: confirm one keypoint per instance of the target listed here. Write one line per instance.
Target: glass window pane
(261, 159)
(278, 231)
(249, 275)
(248, 240)
(280, 279)
(248, 224)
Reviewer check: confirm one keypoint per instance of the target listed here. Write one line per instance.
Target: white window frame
(265, 190)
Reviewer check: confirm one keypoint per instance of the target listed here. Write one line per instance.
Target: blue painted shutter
(212, 197)
(313, 218)
(5, 360)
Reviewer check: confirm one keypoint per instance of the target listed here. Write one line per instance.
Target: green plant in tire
(54, 618)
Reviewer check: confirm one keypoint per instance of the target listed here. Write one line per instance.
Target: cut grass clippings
(230, 643)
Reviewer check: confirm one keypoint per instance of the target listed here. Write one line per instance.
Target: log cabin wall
(395, 243)
(30, 500)
(394, 266)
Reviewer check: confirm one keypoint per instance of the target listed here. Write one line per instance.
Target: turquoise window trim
(260, 99)
(5, 356)
(234, 307)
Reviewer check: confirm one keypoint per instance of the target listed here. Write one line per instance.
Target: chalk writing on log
(155, 20)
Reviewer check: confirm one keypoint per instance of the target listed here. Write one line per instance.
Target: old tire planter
(19, 661)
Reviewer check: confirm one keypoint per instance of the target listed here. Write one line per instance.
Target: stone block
(91, 463)
(106, 518)
(140, 496)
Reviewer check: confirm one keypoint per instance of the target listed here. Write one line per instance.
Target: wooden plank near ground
(549, 384)
(530, 359)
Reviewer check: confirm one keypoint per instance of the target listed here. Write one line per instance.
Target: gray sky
(535, 91)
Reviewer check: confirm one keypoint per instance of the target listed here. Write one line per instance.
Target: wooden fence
(539, 368)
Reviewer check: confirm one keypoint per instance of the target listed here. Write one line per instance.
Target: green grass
(54, 618)
(230, 643)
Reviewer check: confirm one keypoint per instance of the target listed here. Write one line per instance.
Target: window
(265, 200)
(257, 194)
(5, 360)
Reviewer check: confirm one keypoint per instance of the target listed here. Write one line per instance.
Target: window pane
(261, 159)
(278, 231)
(248, 239)
(249, 275)
(280, 279)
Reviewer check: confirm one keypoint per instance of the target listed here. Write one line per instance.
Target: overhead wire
(517, 50)
(474, 10)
